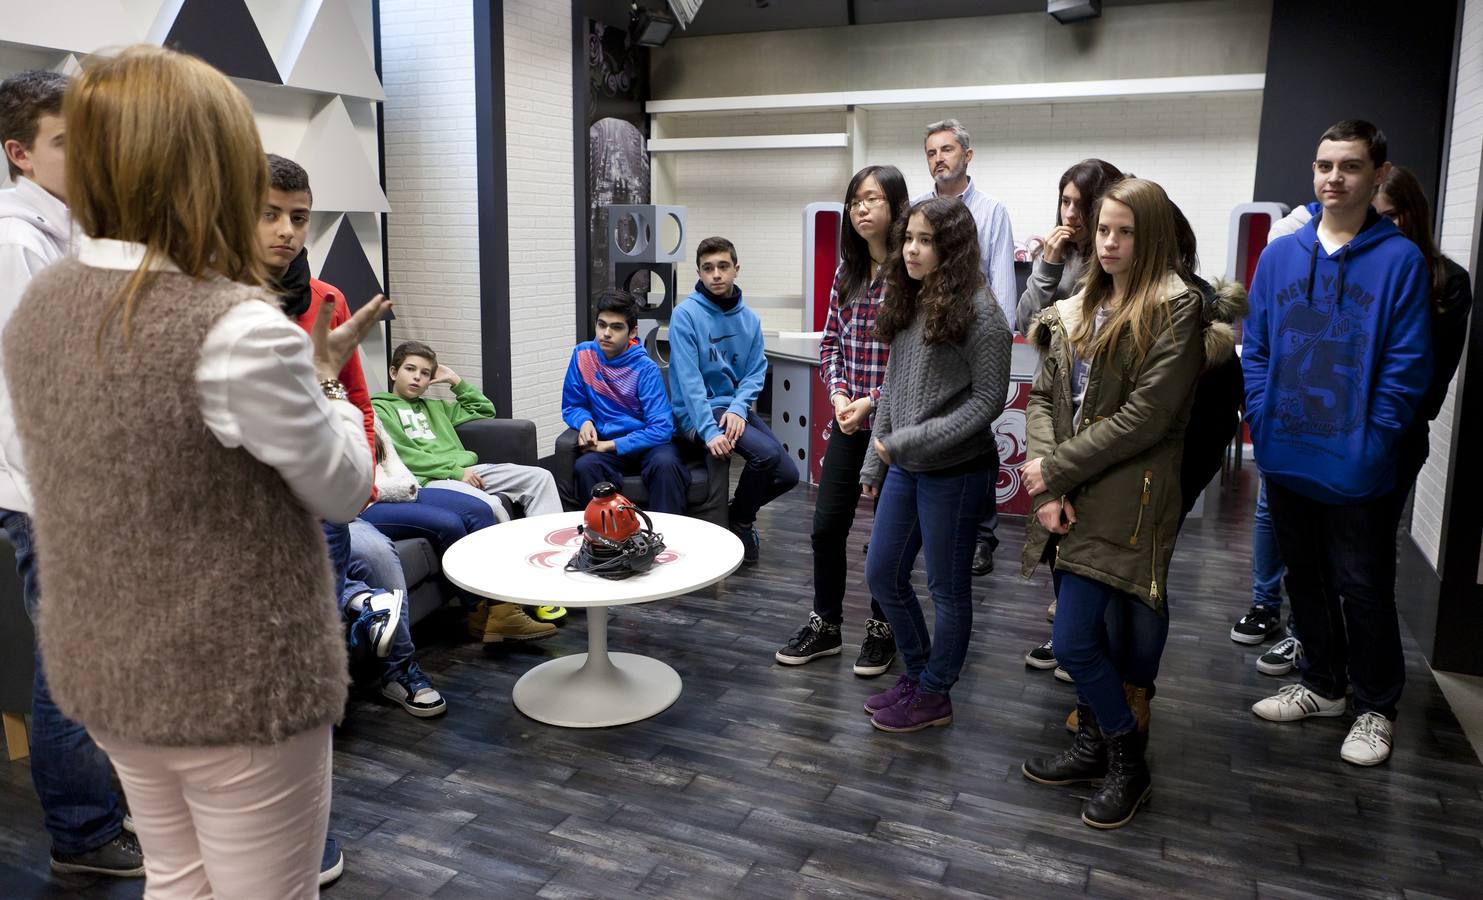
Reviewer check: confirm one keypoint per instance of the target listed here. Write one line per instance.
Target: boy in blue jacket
(716, 368)
(1337, 354)
(614, 397)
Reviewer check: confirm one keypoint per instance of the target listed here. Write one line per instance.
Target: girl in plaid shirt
(852, 363)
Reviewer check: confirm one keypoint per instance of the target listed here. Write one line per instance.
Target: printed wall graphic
(617, 158)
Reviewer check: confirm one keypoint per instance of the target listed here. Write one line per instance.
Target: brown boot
(508, 622)
(478, 617)
(1138, 702)
(1072, 722)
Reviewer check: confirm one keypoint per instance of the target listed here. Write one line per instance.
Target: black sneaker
(817, 638)
(332, 863)
(751, 542)
(415, 692)
(877, 651)
(119, 858)
(1280, 657)
(1042, 657)
(1258, 626)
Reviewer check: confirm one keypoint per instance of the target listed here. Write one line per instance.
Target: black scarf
(292, 286)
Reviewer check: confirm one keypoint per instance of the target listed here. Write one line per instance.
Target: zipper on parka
(1142, 505)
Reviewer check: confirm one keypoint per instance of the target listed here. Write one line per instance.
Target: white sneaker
(1368, 743)
(1296, 702)
(1062, 675)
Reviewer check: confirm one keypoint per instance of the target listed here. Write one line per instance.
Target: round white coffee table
(524, 561)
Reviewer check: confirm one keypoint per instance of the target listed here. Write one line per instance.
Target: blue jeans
(351, 573)
(769, 472)
(1104, 637)
(1266, 561)
(939, 514)
(442, 517)
(666, 477)
(374, 562)
(73, 778)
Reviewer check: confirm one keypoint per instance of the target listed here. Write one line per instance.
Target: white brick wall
(427, 53)
(538, 128)
(1457, 241)
(431, 181)
(756, 198)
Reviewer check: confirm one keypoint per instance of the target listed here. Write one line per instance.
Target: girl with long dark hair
(934, 451)
(852, 363)
(1067, 248)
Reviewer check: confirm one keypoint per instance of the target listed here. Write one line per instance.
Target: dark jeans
(350, 582)
(73, 777)
(834, 515)
(442, 517)
(769, 472)
(988, 526)
(665, 475)
(1341, 587)
(920, 511)
(1104, 637)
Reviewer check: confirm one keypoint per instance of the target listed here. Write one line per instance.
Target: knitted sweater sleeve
(988, 349)
(873, 472)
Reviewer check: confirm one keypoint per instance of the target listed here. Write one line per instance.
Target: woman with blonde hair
(1106, 425)
(188, 619)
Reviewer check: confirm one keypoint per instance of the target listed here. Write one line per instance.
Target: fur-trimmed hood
(1225, 305)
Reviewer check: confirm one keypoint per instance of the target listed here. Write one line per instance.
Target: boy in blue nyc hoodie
(716, 368)
(615, 399)
(1337, 355)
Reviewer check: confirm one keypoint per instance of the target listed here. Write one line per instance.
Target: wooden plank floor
(765, 781)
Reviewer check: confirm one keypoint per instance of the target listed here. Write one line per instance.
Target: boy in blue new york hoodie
(615, 399)
(1336, 355)
(716, 368)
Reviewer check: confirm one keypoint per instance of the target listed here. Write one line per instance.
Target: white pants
(530, 486)
(228, 822)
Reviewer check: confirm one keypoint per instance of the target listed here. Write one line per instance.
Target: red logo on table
(567, 541)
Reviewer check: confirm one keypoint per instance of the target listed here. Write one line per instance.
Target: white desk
(524, 562)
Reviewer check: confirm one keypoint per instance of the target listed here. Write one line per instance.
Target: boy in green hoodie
(423, 432)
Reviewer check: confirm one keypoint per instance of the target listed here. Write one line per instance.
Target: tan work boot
(508, 622)
(1137, 702)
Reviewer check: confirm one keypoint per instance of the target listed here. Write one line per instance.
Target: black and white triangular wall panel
(223, 33)
(347, 268)
(306, 66)
(325, 52)
(81, 26)
(344, 177)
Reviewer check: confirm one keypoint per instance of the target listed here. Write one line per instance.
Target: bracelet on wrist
(333, 389)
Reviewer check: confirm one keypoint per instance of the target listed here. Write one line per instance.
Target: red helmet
(618, 539)
(610, 515)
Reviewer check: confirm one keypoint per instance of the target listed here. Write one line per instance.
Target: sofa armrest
(563, 468)
(500, 440)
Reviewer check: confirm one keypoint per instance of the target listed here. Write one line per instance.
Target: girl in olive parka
(1105, 426)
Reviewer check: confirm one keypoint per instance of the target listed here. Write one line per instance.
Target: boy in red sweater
(378, 618)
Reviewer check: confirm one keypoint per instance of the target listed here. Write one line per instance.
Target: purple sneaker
(922, 710)
(901, 690)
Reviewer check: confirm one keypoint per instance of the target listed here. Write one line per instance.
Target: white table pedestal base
(597, 688)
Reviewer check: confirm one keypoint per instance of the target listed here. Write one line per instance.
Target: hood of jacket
(1225, 305)
(1373, 235)
(30, 204)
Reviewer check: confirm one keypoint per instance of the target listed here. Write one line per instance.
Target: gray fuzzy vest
(186, 596)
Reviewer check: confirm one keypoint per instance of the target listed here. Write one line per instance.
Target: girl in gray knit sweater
(934, 450)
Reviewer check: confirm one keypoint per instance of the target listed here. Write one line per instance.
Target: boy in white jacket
(73, 777)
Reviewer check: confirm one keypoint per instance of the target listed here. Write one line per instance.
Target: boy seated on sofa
(716, 371)
(377, 617)
(422, 431)
(614, 398)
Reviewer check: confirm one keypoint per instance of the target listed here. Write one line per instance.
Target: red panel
(1257, 226)
(1009, 433)
(826, 260)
